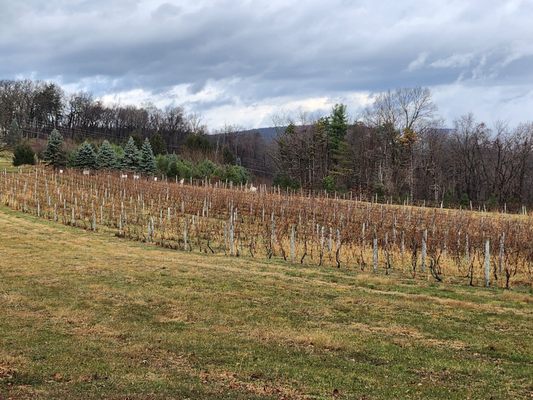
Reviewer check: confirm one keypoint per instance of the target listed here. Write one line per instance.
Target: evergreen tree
(54, 154)
(173, 170)
(338, 158)
(85, 157)
(158, 144)
(228, 157)
(106, 157)
(147, 161)
(130, 161)
(337, 128)
(14, 134)
(137, 138)
(23, 154)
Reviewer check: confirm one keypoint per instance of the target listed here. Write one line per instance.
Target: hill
(268, 134)
(131, 320)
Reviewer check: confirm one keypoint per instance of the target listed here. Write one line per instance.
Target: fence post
(487, 263)
(501, 257)
(93, 220)
(424, 250)
(185, 241)
(293, 245)
(467, 250)
(375, 253)
(363, 236)
(231, 237)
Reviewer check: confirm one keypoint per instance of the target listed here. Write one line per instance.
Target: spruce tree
(130, 161)
(85, 157)
(147, 161)
(14, 134)
(53, 154)
(106, 157)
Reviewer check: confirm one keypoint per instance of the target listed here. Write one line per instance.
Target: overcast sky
(241, 61)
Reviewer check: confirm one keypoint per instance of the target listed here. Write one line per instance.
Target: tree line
(38, 107)
(127, 158)
(398, 148)
(30, 111)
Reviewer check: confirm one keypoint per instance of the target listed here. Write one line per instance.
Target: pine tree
(14, 134)
(54, 154)
(85, 157)
(130, 161)
(337, 127)
(147, 161)
(106, 157)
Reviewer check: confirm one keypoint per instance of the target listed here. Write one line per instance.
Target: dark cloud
(245, 53)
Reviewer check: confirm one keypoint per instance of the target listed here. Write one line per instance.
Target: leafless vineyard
(466, 247)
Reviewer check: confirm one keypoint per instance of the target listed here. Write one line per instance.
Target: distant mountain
(268, 134)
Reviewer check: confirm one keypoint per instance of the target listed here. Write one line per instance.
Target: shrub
(236, 174)
(185, 169)
(284, 181)
(158, 144)
(465, 201)
(23, 155)
(328, 183)
(198, 142)
(206, 169)
(162, 164)
(173, 171)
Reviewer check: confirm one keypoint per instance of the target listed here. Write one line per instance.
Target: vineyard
(458, 246)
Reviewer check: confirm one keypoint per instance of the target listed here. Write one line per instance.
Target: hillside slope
(87, 315)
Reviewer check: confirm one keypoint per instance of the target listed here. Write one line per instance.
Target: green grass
(87, 315)
(6, 162)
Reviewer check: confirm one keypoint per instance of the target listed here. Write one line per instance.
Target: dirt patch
(406, 336)
(254, 384)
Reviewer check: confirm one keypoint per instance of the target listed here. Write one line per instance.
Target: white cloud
(453, 61)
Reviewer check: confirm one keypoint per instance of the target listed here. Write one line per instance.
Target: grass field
(89, 316)
(6, 162)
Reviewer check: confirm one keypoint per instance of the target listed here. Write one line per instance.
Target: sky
(244, 63)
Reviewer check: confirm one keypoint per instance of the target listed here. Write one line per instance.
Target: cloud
(233, 58)
(418, 62)
(506, 103)
(166, 10)
(453, 61)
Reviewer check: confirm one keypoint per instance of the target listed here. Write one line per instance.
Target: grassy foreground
(90, 316)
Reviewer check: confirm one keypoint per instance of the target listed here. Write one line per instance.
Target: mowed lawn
(89, 316)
